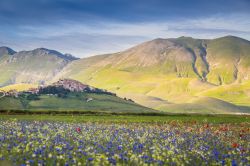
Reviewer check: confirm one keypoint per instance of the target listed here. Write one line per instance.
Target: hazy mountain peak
(232, 38)
(46, 52)
(54, 52)
(6, 51)
(185, 37)
(70, 56)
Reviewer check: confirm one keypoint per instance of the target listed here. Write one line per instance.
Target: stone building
(72, 85)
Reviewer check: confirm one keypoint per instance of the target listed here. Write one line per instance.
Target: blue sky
(88, 27)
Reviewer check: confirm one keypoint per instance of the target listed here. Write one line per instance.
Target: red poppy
(78, 129)
(242, 131)
(223, 129)
(235, 145)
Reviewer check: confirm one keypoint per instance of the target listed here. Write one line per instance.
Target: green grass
(134, 118)
(73, 102)
(9, 103)
(205, 105)
(99, 103)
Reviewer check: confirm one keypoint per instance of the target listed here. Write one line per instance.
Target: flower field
(34, 142)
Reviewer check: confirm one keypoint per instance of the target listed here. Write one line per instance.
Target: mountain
(6, 51)
(219, 61)
(163, 72)
(173, 75)
(36, 66)
(67, 95)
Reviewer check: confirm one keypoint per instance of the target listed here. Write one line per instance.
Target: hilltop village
(67, 85)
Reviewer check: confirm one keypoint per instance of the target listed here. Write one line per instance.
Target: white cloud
(85, 39)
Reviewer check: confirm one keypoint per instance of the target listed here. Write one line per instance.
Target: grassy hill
(99, 103)
(68, 95)
(73, 102)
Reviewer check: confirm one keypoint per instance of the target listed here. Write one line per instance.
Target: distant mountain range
(175, 75)
(36, 66)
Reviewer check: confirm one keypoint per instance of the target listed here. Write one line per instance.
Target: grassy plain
(178, 118)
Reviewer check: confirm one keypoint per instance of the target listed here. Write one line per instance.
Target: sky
(89, 27)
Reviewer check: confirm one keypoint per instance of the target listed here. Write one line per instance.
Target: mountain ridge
(194, 50)
(35, 66)
(45, 51)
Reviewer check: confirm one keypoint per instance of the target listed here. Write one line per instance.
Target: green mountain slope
(205, 105)
(167, 71)
(229, 59)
